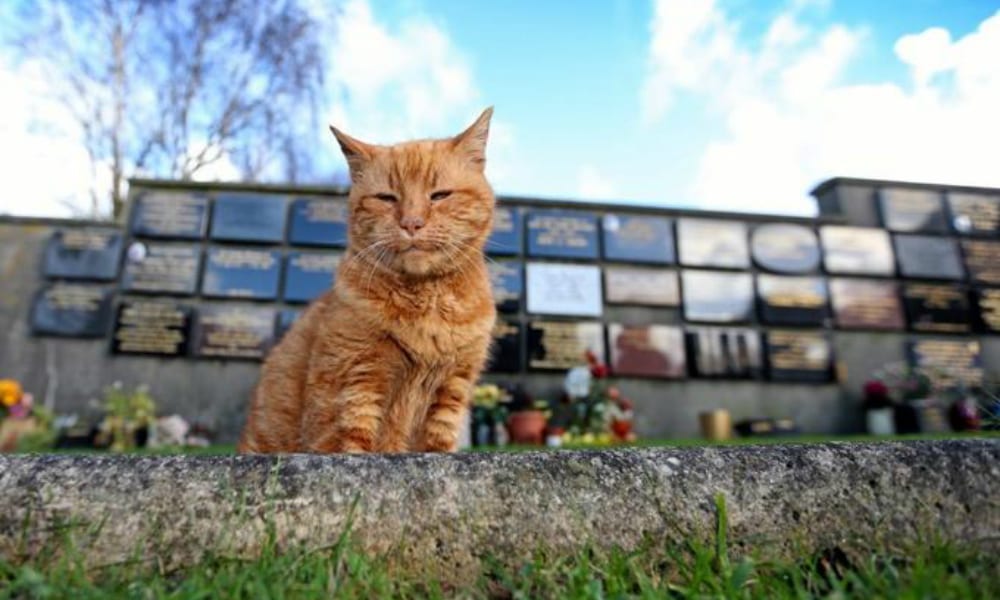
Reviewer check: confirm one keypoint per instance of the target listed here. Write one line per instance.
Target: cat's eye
(440, 195)
(384, 197)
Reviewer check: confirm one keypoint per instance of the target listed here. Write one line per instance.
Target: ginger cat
(386, 360)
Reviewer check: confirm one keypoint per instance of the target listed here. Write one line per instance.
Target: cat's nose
(411, 223)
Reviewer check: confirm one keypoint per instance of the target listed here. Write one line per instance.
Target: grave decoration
(24, 425)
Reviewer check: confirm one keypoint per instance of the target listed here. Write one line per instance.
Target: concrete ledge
(444, 513)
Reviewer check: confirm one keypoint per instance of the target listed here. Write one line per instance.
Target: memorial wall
(766, 316)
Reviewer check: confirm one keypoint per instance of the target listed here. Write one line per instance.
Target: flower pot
(527, 427)
(621, 428)
(881, 421)
(716, 425)
(12, 430)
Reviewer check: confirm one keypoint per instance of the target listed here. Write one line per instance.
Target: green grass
(690, 570)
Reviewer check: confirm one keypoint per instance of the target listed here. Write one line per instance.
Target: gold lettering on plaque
(235, 333)
(983, 260)
(86, 240)
(316, 263)
(566, 343)
(71, 297)
(956, 360)
(795, 351)
(172, 213)
(571, 232)
(989, 308)
(326, 211)
(242, 259)
(150, 327)
(164, 269)
(503, 219)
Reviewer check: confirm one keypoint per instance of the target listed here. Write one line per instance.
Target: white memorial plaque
(558, 289)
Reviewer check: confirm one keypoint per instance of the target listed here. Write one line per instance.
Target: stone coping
(444, 514)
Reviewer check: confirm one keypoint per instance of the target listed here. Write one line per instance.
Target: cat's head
(421, 208)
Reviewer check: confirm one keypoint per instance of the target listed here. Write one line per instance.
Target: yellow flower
(10, 392)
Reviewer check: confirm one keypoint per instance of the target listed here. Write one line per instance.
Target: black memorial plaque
(715, 297)
(286, 318)
(562, 234)
(505, 356)
(647, 351)
(928, 257)
(71, 310)
(785, 248)
(954, 362)
(170, 214)
(318, 222)
(792, 300)
(799, 356)
(642, 286)
(234, 331)
(157, 268)
(249, 218)
(241, 273)
(988, 313)
(83, 254)
(937, 308)
(974, 214)
(912, 210)
(982, 259)
(561, 345)
(866, 304)
(724, 352)
(638, 239)
(152, 328)
(309, 274)
(856, 250)
(710, 243)
(505, 240)
(507, 279)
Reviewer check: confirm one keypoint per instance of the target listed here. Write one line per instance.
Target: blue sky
(732, 105)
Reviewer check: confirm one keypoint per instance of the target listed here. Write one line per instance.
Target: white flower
(577, 384)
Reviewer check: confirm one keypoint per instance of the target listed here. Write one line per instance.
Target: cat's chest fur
(434, 332)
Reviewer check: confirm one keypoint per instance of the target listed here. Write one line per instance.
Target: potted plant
(912, 389)
(489, 414)
(879, 408)
(129, 416)
(528, 418)
(23, 426)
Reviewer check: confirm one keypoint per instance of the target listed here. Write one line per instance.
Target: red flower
(591, 357)
(599, 371)
(613, 393)
(876, 389)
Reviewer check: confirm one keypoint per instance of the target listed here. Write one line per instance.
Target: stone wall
(68, 374)
(446, 514)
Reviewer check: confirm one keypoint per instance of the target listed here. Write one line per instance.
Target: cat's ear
(355, 151)
(472, 141)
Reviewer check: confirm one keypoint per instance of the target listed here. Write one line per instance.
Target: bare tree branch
(170, 88)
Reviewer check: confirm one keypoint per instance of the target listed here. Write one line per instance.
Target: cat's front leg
(347, 419)
(444, 417)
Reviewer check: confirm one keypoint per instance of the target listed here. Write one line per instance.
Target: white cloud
(592, 184)
(46, 169)
(393, 83)
(790, 119)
